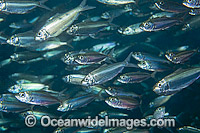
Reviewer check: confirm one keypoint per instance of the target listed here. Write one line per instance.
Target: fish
(194, 12)
(69, 58)
(180, 57)
(112, 114)
(114, 91)
(135, 77)
(158, 101)
(104, 46)
(188, 129)
(128, 103)
(12, 106)
(160, 113)
(22, 39)
(58, 23)
(89, 28)
(93, 58)
(47, 45)
(160, 23)
(23, 87)
(115, 13)
(41, 98)
(116, 2)
(18, 77)
(170, 6)
(74, 103)
(105, 73)
(20, 7)
(177, 81)
(73, 79)
(142, 56)
(191, 3)
(131, 30)
(163, 14)
(154, 66)
(37, 114)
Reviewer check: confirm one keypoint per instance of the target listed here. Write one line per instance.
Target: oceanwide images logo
(46, 121)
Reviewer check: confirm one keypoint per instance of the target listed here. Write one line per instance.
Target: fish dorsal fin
(52, 18)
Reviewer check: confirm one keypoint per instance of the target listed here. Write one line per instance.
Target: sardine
(135, 77)
(157, 24)
(113, 91)
(60, 22)
(154, 66)
(105, 72)
(74, 79)
(74, 103)
(116, 2)
(158, 101)
(180, 57)
(27, 87)
(170, 6)
(177, 81)
(191, 3)
(20, 7)
(41, 98)
(128, 103)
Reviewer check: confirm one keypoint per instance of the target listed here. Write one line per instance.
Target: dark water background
(185, 102)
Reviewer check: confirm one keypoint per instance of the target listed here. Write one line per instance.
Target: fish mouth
(156, 90)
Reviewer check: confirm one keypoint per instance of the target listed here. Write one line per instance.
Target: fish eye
(175, 58)
(123, 77)
(189, 1)
(161, 3)
(159, 84)
(81, 57)
(22, 94)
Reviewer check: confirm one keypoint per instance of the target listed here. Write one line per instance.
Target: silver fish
(22, 39)
(191, 3)
(135, 77)
(60, 22)
(158, 101)
(131, 30)
(180, 57)
(74, 103)
(20, 7)
(113, 91)
(41, 98)
(74, 79)
(160, 113)
(105, 72)
(116, 2)
(128, 103)
(12, 106)
(112, 114)
(142, 56)
(47, 45)
(154, 66)
(177, 81)
(27, 87)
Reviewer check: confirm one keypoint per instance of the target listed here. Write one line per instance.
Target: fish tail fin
(127, 60)
(110, 55)
(85, 7)
(41, 4)
(5, 62)
(153, 74)
(65, 43)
